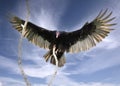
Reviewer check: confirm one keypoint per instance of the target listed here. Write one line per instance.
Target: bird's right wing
(90, 34)
(37, 35)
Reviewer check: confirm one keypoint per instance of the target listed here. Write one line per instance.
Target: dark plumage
(80, 40)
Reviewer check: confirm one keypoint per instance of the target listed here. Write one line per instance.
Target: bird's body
(76, 41)
(59, 42)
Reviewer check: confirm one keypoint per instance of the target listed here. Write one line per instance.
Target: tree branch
(56, 60)
(20, 47)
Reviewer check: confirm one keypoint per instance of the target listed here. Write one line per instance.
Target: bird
(75, 41)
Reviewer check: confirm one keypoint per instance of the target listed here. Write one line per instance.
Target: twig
(53, 77)
(20, 47)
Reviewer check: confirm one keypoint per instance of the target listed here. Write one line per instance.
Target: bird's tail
(60, 58)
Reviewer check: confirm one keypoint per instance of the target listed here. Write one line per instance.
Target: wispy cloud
(59, 81)
(5, 81)
(1, 84)
(49, 13)
(8, 64)
(39, 72)
(98, 84)
(97, 60)
(62, 81)
(109, 43)
(45, 13)
(40, 85)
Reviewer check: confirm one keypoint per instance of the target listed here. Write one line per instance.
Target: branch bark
(55, 73)
(20, 47)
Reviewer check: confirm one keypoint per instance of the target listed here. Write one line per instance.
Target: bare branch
(56, 60)
(20, 47)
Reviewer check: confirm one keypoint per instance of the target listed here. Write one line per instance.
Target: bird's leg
(56, 51)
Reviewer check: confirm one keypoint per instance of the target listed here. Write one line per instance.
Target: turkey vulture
(76, 41)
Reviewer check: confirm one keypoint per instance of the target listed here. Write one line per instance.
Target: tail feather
(61, 60)
(47, 55)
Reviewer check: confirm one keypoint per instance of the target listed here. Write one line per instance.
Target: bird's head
(57, 34)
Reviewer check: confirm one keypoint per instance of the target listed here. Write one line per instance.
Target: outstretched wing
(91, 33)
(37, 35)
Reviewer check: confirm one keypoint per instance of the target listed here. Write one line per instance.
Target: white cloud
(59, 81)
(65, 81)
(100, 60)
(45, 13)
(104, 56)
(49, 14)
(40, 85)
(1, 84)
(8, 64)
(98, 84)
(10, 81)
(43, 71)
(109, 43)
(40, 68)
(39, 72)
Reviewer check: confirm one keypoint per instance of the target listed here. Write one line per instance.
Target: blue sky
(99, 66)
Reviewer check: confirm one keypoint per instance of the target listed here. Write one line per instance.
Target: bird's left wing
(37, 35)
(90, 34)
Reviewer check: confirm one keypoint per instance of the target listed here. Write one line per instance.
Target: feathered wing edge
(100, 29)
(33, 33)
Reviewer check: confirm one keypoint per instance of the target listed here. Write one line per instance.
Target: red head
(57, 34)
